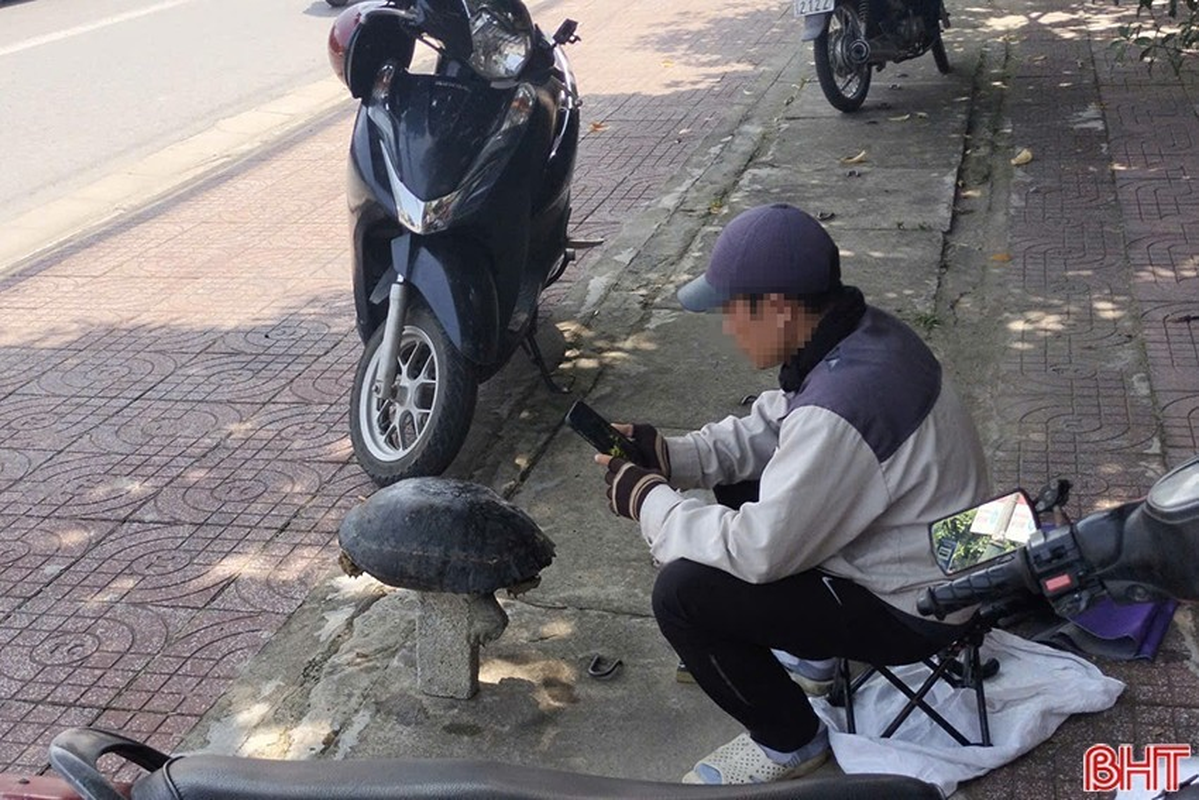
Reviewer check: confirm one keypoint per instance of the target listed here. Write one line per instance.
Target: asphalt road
(89, 90)
(86, 88)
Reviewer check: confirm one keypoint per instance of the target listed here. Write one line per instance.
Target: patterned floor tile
(181, 566)
(33, 552)
(305, 432)
(230, 487)
(38, 422)
(89, 485)
(220, 377)
(165, 428)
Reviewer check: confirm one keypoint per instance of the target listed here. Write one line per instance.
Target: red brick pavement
(1101, 384)
(174, 458)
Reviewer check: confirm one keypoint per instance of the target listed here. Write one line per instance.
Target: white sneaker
(743, 761)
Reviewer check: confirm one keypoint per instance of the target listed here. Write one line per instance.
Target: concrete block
(449, 632)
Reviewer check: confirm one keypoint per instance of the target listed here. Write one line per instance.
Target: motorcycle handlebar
(1000, 580)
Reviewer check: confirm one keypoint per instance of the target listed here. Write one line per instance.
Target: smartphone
(587, 422)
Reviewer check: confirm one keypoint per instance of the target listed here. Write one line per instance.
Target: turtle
(456, 543)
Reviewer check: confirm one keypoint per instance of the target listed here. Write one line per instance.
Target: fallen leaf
(860, 158)
(972, 193)
(1002, 258)
(596, 127)
(904, 118)
(1022, 158)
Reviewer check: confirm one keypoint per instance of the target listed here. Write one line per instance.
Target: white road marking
(38, 41)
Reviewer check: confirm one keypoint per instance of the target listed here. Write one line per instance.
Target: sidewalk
(1019, 276)
(210, 433)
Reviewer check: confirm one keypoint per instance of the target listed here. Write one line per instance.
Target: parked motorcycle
(459, 194)
(852, 38)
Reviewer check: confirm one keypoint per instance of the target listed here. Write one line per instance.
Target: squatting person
(818, 545)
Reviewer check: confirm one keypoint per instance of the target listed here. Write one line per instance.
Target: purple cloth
(1120, 632)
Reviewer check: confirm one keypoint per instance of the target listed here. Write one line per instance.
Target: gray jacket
(853, 467)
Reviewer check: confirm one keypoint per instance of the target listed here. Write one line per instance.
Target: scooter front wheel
(840, 54)
(419, 426)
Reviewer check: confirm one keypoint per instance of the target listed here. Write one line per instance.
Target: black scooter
(459, 194)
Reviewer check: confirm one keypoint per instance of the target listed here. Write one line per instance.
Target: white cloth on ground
(1036, 688)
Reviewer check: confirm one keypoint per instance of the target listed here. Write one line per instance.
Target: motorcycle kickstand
(531, 348)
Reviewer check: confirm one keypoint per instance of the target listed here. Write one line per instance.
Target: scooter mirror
(566, 33)
(965, 540)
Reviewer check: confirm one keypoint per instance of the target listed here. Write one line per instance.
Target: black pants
(723, 628)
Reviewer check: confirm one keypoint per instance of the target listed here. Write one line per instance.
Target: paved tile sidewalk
(1099, 379)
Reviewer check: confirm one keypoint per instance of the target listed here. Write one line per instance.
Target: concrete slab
(914, 87)
(894, 138)
(538, 705)
(600, 561)
(886, 199)
(897, 270)
(679, 372)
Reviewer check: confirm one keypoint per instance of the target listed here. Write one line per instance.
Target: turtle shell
(444, 535)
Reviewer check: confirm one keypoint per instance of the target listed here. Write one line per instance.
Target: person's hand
(651, 446)
(628, 485)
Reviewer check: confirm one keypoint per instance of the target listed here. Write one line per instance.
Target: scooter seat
(205, 777)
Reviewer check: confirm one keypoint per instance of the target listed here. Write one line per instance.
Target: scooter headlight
(501, 36)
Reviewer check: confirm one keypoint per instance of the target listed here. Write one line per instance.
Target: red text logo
(1105, 768)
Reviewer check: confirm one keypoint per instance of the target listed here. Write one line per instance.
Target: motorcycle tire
(940, 56)
(420, 431)
(843, 82)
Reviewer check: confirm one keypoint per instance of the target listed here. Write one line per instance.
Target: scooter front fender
(813, 25)
(453, 279)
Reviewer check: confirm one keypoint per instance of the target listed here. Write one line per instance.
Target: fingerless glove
(628, 486)
(651, 446)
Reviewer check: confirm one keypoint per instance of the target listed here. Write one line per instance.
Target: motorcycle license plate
(804, 8)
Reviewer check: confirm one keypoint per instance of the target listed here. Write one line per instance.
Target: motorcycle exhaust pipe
(389, 348)
(862, 51)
